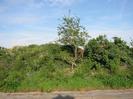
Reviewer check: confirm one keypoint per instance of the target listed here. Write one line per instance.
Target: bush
(47, 67)
(12, 81)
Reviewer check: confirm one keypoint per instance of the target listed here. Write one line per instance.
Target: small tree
(131, 43)
(70, 32)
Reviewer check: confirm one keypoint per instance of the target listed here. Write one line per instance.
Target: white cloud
(111, 18)
(40, 35)
(124, 34)
(23, 19)
(42, 2)
(61, 2)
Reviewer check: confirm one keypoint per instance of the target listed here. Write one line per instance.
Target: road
(96, 94)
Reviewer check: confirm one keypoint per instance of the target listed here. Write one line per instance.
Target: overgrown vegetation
(47, 67)
(106, 64)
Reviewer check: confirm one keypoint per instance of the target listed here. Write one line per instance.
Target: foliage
(72, 33)
(106, 64)
(132, 43)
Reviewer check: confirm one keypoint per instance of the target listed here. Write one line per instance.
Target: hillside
(47, 67)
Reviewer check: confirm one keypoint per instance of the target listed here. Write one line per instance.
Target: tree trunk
(75, 53)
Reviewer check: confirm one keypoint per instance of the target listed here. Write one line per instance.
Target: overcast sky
(25, 22)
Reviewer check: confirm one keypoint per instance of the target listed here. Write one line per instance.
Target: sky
(24, 22)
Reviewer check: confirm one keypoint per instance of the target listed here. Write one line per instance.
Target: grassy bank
(48, 67)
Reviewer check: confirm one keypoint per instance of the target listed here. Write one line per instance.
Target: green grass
(48, 68)
(67, 84)
(74, 83)
(66, 79)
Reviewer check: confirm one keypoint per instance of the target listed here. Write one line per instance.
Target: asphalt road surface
(96, 94)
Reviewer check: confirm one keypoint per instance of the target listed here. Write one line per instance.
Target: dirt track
(96, 94)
